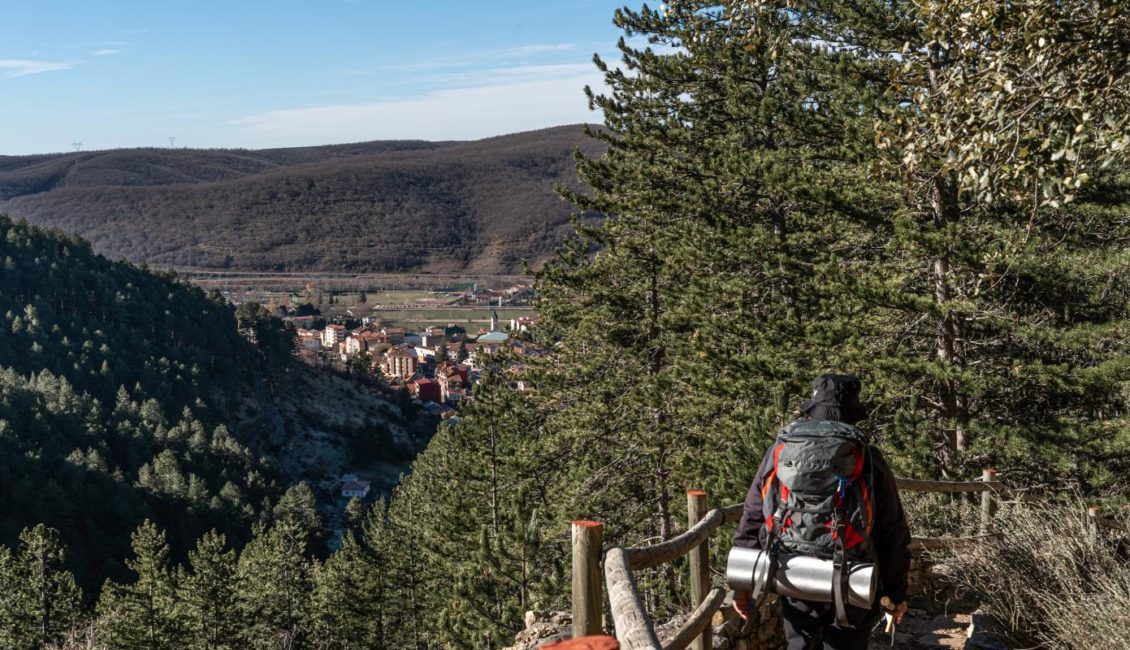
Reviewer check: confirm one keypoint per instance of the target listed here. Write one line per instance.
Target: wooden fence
(635, 629)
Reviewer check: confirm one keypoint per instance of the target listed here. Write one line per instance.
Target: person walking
(822, 490)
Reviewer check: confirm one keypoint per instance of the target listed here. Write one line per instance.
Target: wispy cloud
(537, 48)
(481, 57)
(22, 68)
(422, 66)
(521, 104)
(106, 52)
(513, 74)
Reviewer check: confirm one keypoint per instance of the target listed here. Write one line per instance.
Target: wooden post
(588, 536)
(700, 563)
(988, 501)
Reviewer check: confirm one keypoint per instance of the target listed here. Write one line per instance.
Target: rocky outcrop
(543, 628)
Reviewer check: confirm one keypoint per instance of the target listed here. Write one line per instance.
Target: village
(434, 367)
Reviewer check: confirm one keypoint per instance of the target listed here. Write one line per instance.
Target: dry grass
(1054, 579)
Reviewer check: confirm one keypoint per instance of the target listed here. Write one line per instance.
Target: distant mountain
(478, 206)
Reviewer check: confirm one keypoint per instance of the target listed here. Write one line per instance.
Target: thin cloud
(425, 65)
(450, 114)
(482, 56)
(538, 48)
(23, 68)
(107, 52)
(513, 74)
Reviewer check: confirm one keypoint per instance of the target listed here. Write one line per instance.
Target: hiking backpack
(816, 499)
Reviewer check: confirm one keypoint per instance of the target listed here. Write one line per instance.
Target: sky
(102, 74)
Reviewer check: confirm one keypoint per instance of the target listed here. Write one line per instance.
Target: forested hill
(117, 387)
(481, 206)
(126, 396)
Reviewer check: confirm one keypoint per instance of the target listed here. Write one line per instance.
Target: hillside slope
(480, 206)
(126, 395)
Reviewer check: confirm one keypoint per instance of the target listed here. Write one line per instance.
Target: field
(409, 300)
(469, 318)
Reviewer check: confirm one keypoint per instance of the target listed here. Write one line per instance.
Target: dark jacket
(889, 533)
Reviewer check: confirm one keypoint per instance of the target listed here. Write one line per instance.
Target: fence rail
(635, 629)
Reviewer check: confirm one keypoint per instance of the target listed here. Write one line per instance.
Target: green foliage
(142, 614)
(298, 506)
(764, 222)
(275, 580)
(345, 603)
(1022, 103)
(475, 493)
(208, 594)
(117, 389)
(757, 233)
(39, 602)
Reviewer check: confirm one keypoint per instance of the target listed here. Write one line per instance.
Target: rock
(983, 633)
(541, 628)
(559, 638)
(533, 617)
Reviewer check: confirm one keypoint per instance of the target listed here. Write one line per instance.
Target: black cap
(835, 397)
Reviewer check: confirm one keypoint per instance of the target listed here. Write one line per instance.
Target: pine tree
(345, 606)
(392, 561)
(780, 198)
(142, 615)
(355, 513)
(274, 580)
(723, 189)
(40, 603)
(208, 594)
(467, 504)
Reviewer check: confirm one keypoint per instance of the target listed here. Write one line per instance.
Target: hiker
(820, 437)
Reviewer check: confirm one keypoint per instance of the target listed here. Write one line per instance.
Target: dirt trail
(921, 630)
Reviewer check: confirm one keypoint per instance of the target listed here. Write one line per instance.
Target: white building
(351, 489)
(332, 334)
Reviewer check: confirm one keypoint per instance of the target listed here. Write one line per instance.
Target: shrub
(1052, 577)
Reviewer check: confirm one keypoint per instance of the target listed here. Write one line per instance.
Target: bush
(941, 515)
(1052, 577)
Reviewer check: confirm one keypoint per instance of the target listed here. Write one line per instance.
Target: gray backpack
(817, 498)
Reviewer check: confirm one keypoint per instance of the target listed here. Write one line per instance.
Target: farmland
(407, 300)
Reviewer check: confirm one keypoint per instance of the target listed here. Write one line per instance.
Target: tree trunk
(953, 411)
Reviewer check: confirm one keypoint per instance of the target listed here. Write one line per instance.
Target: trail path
(921, 630)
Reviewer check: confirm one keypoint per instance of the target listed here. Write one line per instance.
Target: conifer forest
(933, 195)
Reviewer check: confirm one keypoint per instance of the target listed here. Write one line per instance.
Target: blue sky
(273, 73)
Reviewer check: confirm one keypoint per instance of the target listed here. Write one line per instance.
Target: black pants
(812, 626)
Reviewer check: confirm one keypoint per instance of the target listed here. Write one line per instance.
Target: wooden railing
(635, 629)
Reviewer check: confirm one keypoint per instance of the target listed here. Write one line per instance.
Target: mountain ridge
(482, 206)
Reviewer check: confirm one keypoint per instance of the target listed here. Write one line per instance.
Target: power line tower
(78, 149)
(172, 140)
